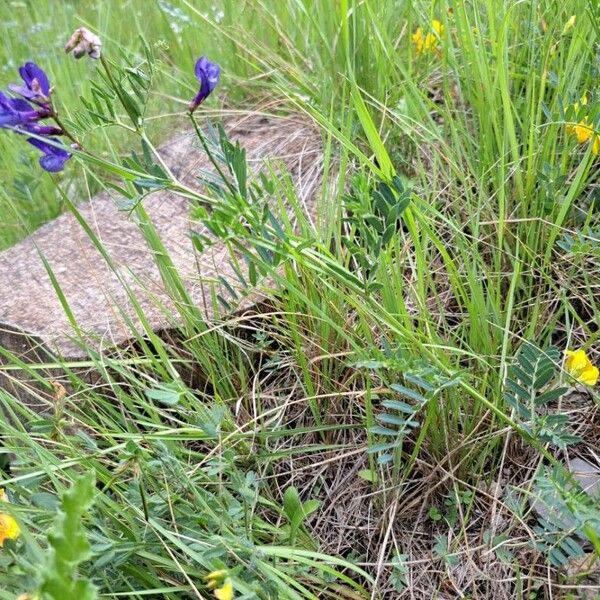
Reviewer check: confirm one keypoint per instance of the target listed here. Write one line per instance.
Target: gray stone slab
(30, 311)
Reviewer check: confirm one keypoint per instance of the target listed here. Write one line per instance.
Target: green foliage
(399, 576)
(498, 543)
(297, 511)
(374, 219)
(442, 551)
(400, 416)
(69, 546)
(570, 515)
(128, 82)
(241, 213)
(396, 422)
(529, 387)
(494, 243)
(579, 244)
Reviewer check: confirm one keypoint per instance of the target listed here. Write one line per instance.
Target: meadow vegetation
(390, 424)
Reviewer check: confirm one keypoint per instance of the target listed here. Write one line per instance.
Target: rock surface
(31, 313)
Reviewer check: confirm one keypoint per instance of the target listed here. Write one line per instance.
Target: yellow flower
(225, 592)
(583, 131)
(569, 25)
(581, 368)
(3, 496)
(438, 26)
(428, 43)
(417, 38)
(214, 575)
(9, 528)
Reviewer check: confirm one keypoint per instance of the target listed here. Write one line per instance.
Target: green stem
(210, 156)
(65, 131)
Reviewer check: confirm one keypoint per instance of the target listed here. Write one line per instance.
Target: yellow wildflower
(438, 26)
(583, 131)
(9, 528)
(417, 38)
(581, 368)
(428, 43)
(225, 592)
(569, 25)
(213, 576)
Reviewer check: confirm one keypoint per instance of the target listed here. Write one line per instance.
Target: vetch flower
(225, 592)
(583, 130)
(208, 75)
(212, 578)
(219, 578)
(9, 528)
(428, 43)
(23, 116)
(579, 366)
(37, 85)
(15, 111)
(83, 42)
(54, 157)
(38, 129)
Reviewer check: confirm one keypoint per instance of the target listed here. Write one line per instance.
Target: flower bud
(83, 42)
(207, 74)
(569, 25)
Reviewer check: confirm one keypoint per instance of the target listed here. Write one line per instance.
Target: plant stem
(65, 131)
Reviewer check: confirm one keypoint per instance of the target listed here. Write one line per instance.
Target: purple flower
(207, 74)
(54, 156)
(37, 85)
(22, 115)
(38, 129)
(15, 111)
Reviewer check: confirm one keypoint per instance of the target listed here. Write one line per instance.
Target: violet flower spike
(54, 158)
(37, 85)
(208, 75)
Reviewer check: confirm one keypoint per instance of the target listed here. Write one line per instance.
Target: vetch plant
(570, 516)
(529, 386)
(69, 546)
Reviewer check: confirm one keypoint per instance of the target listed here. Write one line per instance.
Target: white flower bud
(83, 42)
